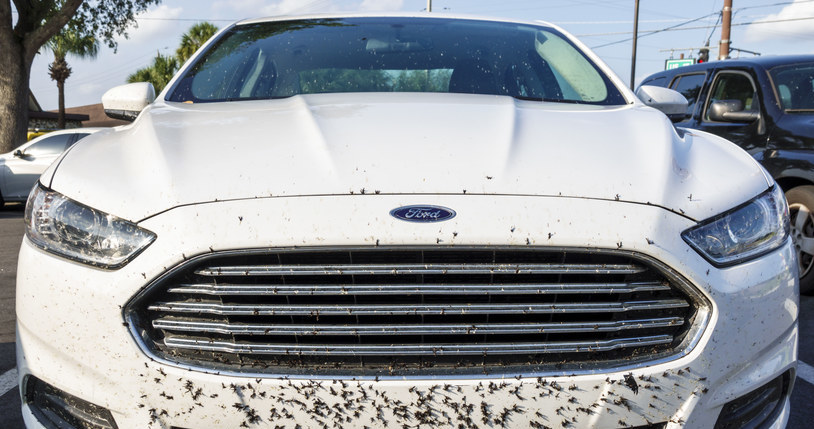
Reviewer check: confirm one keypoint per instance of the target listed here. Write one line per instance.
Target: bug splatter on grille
(391, 311)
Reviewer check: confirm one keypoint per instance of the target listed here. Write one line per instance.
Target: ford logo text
(423, 213)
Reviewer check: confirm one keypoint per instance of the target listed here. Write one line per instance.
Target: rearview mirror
(731, 111)
(19, 154)
(127, 101)
(669, 102)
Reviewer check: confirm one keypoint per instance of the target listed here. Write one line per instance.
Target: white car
(404, 220)
(20, 169)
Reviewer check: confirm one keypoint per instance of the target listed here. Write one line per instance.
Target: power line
(650, 33)
(675, 28)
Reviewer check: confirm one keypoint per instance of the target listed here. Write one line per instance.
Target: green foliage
(337, 80)
(422, 81)
(107, 18)
(193, 39)
(37, 22)
(349, 80)
(163, 67)
(71, 41)
(158, 73)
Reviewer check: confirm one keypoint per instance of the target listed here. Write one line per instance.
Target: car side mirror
(731, 111)
(127, 101)
(19, 154)
(669, 102)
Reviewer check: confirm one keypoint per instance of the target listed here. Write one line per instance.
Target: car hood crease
(353, 144)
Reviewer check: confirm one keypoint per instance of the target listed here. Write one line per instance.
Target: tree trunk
(13, 96)
(61, 116)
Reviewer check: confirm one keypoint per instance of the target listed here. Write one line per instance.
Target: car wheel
(801, 209)
(2, 202)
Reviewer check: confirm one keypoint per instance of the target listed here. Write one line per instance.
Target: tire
(2, 202)
(801, 210)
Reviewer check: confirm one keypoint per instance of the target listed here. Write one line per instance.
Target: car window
(656, 81)
(733, 86)
(795, 86)
(51, 145)
(77, 137)
(689, 85)
(281, 59)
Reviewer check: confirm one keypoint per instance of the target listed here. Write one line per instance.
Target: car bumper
(72, 333)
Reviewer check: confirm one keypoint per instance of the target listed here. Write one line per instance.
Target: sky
(666, 29)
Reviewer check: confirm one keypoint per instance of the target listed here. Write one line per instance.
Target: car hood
(367, 144)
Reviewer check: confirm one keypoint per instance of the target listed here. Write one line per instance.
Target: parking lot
(11, 232)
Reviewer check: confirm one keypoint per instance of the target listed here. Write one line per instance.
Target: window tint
(52, 145)
(286, 58)
(689, 85)
(795, 86)
(733, 86)
(657, 81)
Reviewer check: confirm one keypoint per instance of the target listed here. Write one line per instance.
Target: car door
(23, 171)
(735, 85)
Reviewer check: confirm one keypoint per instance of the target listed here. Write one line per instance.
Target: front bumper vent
(386, 311)
(55, 408)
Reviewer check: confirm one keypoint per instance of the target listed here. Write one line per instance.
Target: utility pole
(726, 24)
(635, 39)
(429, 5)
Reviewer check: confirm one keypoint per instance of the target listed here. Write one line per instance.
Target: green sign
(674, 64)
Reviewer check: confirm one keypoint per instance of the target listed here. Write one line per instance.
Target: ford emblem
(423, 213)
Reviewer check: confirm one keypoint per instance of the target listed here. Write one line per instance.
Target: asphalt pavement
(11, 234)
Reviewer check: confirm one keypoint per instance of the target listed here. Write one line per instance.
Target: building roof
(94, 116)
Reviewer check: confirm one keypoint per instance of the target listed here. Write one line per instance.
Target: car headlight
(75, 231)
(745, 232)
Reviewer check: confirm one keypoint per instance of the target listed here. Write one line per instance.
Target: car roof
(765, 62)
(394, 15)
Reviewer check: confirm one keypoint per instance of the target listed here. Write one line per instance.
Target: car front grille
(396, 311)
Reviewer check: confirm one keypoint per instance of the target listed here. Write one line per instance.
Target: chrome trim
(417, 329)
(703, 306)
(425, 289)
(415, 349)
(391, 269)
(411, 309)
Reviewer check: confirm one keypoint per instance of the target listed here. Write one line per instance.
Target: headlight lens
(745, 232)
(62, 226)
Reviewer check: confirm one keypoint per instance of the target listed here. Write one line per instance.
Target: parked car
(20, 169)
(766, 106)
(404, 220)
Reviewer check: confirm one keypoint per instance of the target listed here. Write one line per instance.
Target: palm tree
(68, 41)
(163, 67)
(158, 73)
(193, 39)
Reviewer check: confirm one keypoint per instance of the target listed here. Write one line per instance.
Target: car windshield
(794, 85)
(284, 58)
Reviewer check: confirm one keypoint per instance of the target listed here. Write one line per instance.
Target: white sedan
(404, 220)
(20, 169)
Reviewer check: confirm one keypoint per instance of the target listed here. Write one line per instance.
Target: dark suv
(766, 106)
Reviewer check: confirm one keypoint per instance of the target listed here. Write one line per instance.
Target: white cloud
(389, 5)
(260, 8)
(790, 25)
(154, 25)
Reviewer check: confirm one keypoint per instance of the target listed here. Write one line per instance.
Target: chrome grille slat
(426, 289)
(398, 269)
(426, 329)
(414, 310)
(415, 349)
(422, 309)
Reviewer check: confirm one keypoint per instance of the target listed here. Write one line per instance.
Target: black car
(766, 106)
